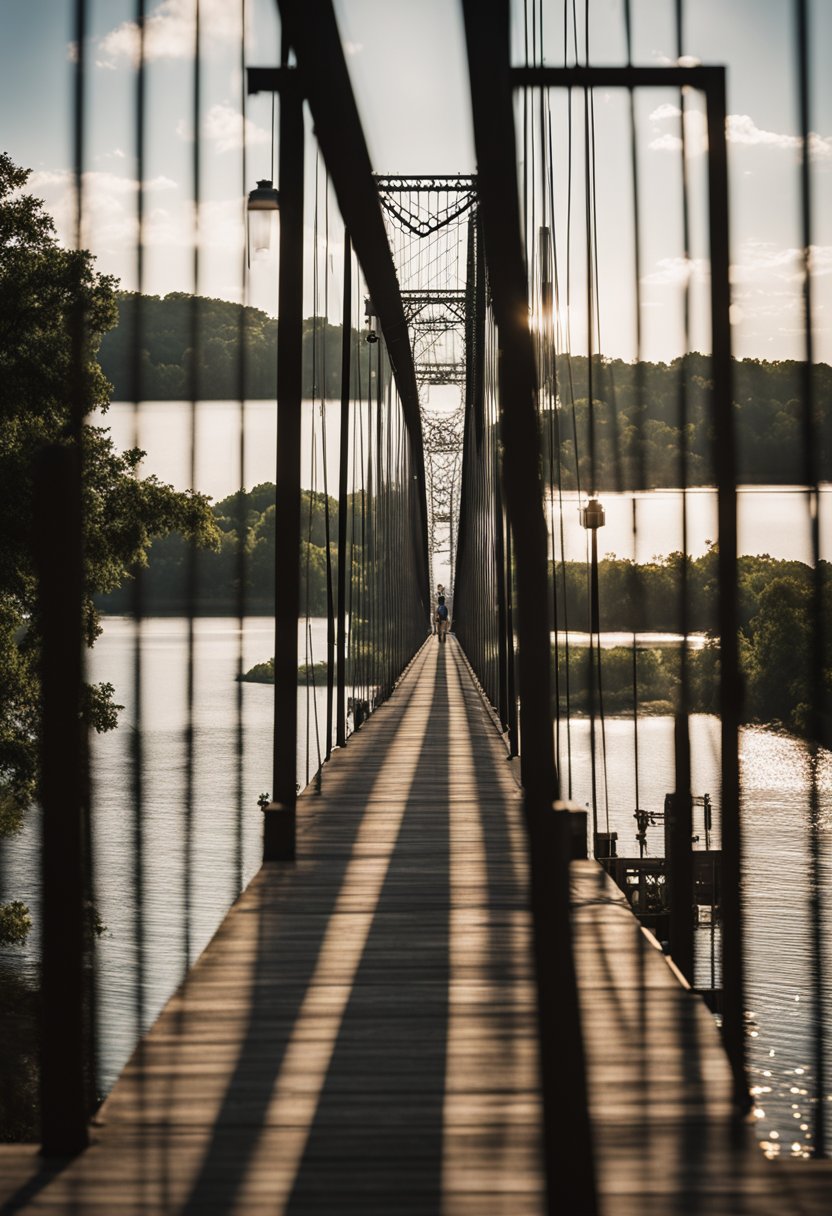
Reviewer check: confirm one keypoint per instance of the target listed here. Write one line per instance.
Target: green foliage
(19, 1072)
(15, 923)
(777, 623)
(250, 515)
(362, 659)
(169, 329)
(778, 651)
(636, 420)
(45, 291)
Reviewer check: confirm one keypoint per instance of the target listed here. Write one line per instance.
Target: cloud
(740, 129)
(109, 221)
(684, 61)
(757, 262)
(762, 261)
(696, 131)
(676, 271)
(223, 126)
(169, 32)
(665, 111)
(666, 143)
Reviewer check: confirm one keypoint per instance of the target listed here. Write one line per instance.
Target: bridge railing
(544, 436)
(147, 838)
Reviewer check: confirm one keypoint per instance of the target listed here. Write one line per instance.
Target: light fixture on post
(371, 319)
(263, 204)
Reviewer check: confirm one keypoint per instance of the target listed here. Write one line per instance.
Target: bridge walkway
(359, 1037)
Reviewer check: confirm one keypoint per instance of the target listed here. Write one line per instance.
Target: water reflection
(775, 784)
(775, 809)
(215, 809)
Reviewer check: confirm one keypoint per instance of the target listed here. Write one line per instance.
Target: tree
(42, 287)
(779, 667)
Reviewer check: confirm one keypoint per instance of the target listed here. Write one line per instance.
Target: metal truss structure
(427, 221)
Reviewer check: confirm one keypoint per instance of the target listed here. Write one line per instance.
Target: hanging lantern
(263, 203)
(592, 515)
(371, 319)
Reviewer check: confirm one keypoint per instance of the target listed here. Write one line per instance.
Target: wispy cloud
(740, 129)
(169, 32)
(684, 61)
(223, 126)
(763, 261)
(665, 111)
(758, 262)
(676, 271)
(109, 205)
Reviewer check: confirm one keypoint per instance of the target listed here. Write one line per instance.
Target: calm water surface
(771, 520)
(775, 784)
(225, 831)
(226, 834)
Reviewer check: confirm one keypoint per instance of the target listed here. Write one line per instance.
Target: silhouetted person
(441, 619)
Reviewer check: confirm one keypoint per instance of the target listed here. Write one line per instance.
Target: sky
(408, 66)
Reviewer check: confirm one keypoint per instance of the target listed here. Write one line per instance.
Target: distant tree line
(641, 413)
(775, 606)
(166, 585)
(777, 624)
(167, 330)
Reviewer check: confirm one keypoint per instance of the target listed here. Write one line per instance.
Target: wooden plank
(360, 1035)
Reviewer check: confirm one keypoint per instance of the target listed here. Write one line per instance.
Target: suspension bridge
(437, 994)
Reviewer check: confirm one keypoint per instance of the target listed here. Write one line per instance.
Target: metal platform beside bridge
(360, 1035)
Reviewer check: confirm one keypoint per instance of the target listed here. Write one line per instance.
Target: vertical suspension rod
(289, 393)
(343, 457)
(730, 691)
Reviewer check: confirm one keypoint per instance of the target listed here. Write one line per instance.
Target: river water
(775, 810)
(179, 918)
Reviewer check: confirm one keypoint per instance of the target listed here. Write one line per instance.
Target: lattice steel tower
(429, 222)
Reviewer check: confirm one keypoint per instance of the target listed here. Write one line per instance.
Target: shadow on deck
(360, 1035)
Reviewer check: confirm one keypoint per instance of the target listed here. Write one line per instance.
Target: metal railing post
(343, 457)
(63, 1083)
(679, 855)
(730, 687)
(279, 833)
(567, 1140)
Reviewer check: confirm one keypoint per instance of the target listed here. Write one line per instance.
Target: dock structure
(360, 1035)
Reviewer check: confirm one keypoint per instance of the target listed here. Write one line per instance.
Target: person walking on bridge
(442, 619)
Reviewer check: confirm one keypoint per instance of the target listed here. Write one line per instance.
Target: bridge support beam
(64, 1059)
(278, 832)
(568, 1153)
(287, 495)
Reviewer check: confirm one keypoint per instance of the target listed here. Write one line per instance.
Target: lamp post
(371, 319)
(592, 518)
(263, 204)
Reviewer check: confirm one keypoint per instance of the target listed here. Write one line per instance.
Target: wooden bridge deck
(359, 1036)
